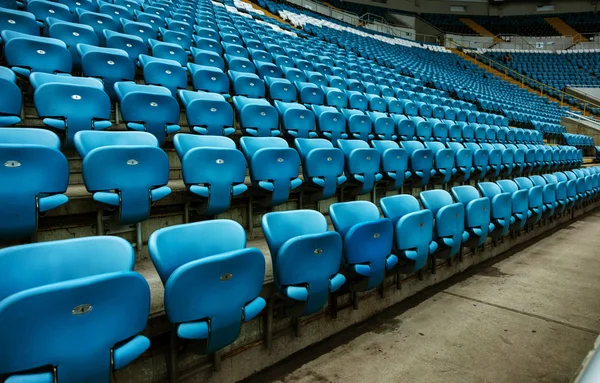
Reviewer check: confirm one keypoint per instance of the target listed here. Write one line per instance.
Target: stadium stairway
(565, 29)
(480, 30)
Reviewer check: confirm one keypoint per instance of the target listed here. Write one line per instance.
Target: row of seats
(213, 281)
(578, 140)
(128, 170)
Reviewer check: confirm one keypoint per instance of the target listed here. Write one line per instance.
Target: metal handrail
(522, 77)
(580, 117)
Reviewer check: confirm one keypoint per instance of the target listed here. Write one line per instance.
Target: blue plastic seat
(207, 79)
(413, 231)
(362, 164)
(367, 241)
(212, 281)
(394, 163)
(207, 58)
(508, 161)
(110, 65)
(384, 127)
(117, 12)
(163, 72)
(70, 104)
(420, 163)
(449, 222)
(257, 117)
(443, 162)
(563, 200)
(133, 45)
(405, 127)
(501, 209)
(26, 54)
(536, 199)
(281, 89)
(247, 84)
(35, 174)
(11, 99)
(274, 166)
(306, 258)
(168, 51)
(331, 124)
(212, 168)
(126, 170)
(423, 128)
(99, 22)
(359, 124)
(477, 214)
(269, 69)
(175, 37)
(18, 21)
(72, 34)
(92, 294)
(296, 120)
(519, 202)
(548, 195)
(309, 93)
(463, 160)
(142, 30)
(42, 9)
(495, 160)
(148, 108)
(335, 97)
(208, 113)
(322, 165)
(357, 100)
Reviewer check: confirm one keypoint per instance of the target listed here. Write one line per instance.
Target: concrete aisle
(530, 317)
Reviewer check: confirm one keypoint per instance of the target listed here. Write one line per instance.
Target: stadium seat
(331, 124)
(247, 84)
(394, 163)
(35, 175)
(208, 79)
(536, 198)
(18, 21)
(72, 34)
(322, 165)
(11, 99)
(126, 170)
(443, 162)
(306, 258)
(359, 124)
(296, 120)
(70, 104)
(520, 203)
(413, 231)
(133, 45)
(362, 164)
(212, 168)
(110, 65)
(449, 223)
(163, 72)
(208, 113)
(281, 89)
(367, 242)
(420, 163)
(501, 209)
(208, 272)
(26, 54)
(257, 117)
(548, 195)
(477, 214)
(274, 166)
(148, 108)
(92, 294)
(168, 51)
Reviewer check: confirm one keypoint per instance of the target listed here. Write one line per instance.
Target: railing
(512, 41)
(522, 79)
(596, 124)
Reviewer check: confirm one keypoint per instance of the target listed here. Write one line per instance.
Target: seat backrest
(523, 182)
(251, 145)
(344, 215)
(396, 207)
(465, 194)
(282, 226)
(489, 189)
(434, 200)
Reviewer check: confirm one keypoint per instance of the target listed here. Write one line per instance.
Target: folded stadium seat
(206, 44)
(468, 132)
(526, 136)
(206, 78)
(11, 98)
(438, 112)
(413, 232)
(296, 120)
(133, 45)
(520, 166)
(212, 168)
(491, 134)
(548, 195)
(508, 159)
(322, 165)
(536, 200)
(115, 11)
(268, 69)
(148, 108)
(200, 107)
(193, 261)
(39, 172)
(247, 84)
(367, 242)
(454, 131)
(500, 161)
(110, 65)
(386, 91)
(310, 93)
(316, 78)
(302, 274)
(141, 30)
(26, 54)
(357, 100)
(481, 161)
(439, 130)
(96, 270)
(371, 88)
(281, 89)
(394, 163)
(70, 104)
(519, 135)
(573, 195)
(124, 169)
(362, 164)
(521, 202)
(164, 72)
(530, 160)
(18, 21)
(424, 109)
(283, 61)
(335, 97)
(355, 85)
(449, 223)
(510, 136)
(179, 26)
(463, 159)
(393, 105)
(420, 163)
(275, 49)
(477, 214)
(303, 65)
(449, 113)
(583, 185)
(340, 72)
(153, 20)
(168, 51)
(501, 215)
(294, 74)
(177, 38)
(207, 58)
(501, 134)
(423, 128)
(383, 126)
(443, 162)
(257, 117)
(99, 22)
(274, 166)
(72, 34)
(336, 82)
(480, 132)
(480, 117)
(331, 124)
(359, 124)
(376, 103)
(230, 38)
(44, 9)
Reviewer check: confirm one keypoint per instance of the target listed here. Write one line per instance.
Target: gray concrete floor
(529, 317)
